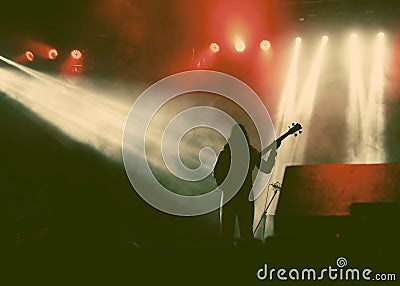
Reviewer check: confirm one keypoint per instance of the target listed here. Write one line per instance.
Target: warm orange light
(214, 47)
(240, 46)
(52, 54)
(29, 56)
(76, 54)
(265, 45)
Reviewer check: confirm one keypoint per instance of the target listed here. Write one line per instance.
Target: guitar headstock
(295, 129)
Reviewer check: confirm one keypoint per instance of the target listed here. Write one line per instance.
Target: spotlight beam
(296, 108)
(305, 108)
(288, 96)
(309, 91)
(285, 114)
(83, 115)
(365, 114)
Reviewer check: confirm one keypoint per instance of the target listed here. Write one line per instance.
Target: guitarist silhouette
(239, 205)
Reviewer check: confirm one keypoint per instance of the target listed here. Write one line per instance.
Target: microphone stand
(277, 186)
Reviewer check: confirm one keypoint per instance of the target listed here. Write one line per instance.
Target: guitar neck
(270, 146)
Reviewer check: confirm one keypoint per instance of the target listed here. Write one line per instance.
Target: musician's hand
(278, 143)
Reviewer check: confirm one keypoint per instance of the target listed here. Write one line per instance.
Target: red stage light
(265, 45)
(214, 47)
(76, 54)
(29, 56)
(52, 54)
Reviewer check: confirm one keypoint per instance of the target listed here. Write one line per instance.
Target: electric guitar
(221, 169)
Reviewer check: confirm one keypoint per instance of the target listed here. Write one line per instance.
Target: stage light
(240, 46)
(309, 91)
(29, 56)
(366, 135)
(214, 47)
(73, 64)
(76, 54)
(265, 45)
(52, 54)
(325, 38)
(288, 96)
(287, 112)
(97, 120)
(306, 105)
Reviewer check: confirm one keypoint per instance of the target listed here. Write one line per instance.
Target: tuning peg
(288, 127)
(295, 134)
(300, 132)
(292, 123)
